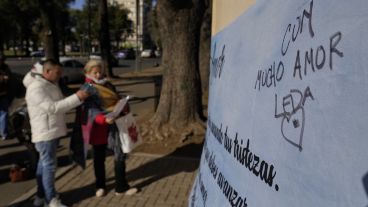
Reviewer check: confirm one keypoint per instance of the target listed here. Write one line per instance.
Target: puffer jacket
(47, 107)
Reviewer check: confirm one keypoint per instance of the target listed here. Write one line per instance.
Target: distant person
(47, 107)
(98, 130)
(6, 96)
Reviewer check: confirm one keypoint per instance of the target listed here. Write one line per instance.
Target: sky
(78, 4)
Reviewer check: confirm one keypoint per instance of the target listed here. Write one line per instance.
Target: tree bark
(1, 46)
(27, 52)
(205, 47)
(105, 36)
(49, 33)
(180, 106)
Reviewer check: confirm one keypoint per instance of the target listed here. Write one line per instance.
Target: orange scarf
(108, 97)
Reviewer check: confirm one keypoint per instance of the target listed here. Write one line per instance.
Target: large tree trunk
(14, 45)
(27, 52)
(204, 50)
(63, 52)
(105, 36)
(180, 108)
(1, 46)
(49, 33)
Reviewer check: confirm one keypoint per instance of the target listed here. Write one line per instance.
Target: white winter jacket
(47, 107)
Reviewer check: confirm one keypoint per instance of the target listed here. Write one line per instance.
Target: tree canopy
(27, 22)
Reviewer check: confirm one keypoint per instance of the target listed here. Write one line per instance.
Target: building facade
(138, 14)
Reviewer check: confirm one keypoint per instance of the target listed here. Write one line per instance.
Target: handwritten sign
(288, 121)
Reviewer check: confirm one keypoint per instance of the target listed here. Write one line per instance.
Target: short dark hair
(50, 63)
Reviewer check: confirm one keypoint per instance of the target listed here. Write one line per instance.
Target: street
(11, 152)
(23, 65)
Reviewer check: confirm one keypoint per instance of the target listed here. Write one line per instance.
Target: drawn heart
(292, 128)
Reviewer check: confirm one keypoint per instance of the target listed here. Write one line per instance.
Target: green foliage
(17, 19)
(21, 21)
(119, 24)
(153, 27)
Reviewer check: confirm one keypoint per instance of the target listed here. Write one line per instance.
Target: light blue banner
(288, 108)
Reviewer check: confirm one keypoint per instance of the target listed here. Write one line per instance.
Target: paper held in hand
(118, 107)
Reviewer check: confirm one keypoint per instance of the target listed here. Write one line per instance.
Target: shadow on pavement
(11, 145)
(365, 183)
(13, 157)
(4, 176)
(154, 170)
(19, 158)
(158, 169)
(77, 195)
(26, 203)
(63, 161)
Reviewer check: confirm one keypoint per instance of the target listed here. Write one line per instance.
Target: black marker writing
(292, 36)
(317, 58)
(295, 113)
(269, 77)
(217, 63)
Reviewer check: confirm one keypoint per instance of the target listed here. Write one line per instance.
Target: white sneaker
(56, 203)
(129, 192)
(100, 192)
(38, 201)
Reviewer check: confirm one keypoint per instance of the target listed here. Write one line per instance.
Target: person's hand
(110, 120)
(82, 95)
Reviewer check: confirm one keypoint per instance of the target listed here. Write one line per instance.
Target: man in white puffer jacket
(47, 107)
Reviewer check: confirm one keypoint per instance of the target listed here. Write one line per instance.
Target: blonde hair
(93, 63)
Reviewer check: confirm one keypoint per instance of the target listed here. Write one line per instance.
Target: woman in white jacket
(47, 107)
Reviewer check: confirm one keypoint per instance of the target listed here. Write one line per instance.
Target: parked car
(72, 70)
(38, 53)
(148, 53)
(97, 56)
(126, 54)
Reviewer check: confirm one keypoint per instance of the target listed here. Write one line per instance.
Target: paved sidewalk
(165, 181)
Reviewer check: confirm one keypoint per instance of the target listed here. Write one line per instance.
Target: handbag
(17, 173)
(128, 133)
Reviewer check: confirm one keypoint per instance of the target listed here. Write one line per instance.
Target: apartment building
(140, 23)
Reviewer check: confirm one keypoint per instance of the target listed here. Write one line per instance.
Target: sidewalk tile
(164, 182)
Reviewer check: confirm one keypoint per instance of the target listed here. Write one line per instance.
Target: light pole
(137, 55)
(89, 28)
